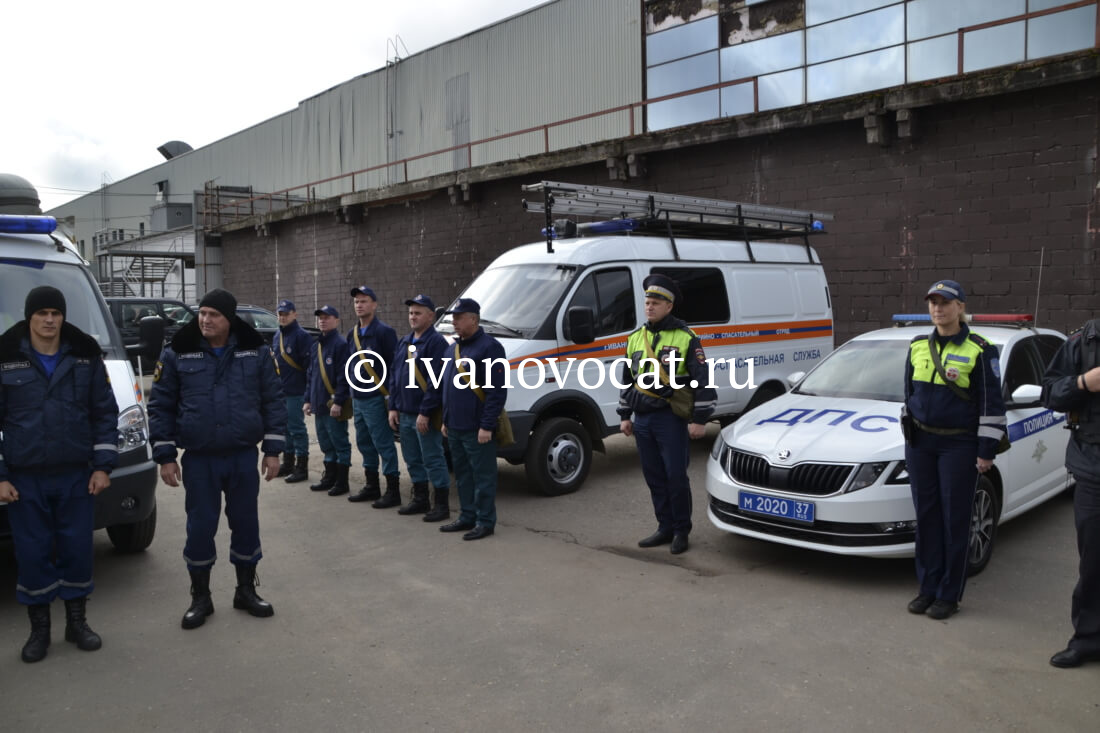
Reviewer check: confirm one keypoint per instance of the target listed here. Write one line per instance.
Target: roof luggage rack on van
(664, 213)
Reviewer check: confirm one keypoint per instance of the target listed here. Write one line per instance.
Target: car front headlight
(716, 449)
(867, 474)
(133, 429)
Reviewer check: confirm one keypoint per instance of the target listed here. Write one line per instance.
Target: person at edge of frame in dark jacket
(414, 400)
(215, 396)
(373, 435)
(327, 360)
(952, 441)
(291, 349)
(59, 427)
(1071, 384)
(469, 421)
(645, 409)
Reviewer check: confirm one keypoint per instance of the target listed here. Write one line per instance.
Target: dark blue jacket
(382, 340)
(462, 409)
(431, 349)
(297, 344)
(334, 352)
(70, 419)
(217, 405)
(1060, 393)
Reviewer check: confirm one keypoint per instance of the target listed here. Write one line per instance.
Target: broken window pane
(685, 40)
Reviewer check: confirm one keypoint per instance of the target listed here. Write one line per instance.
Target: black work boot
(76, 626)
(300, 472)
(39, 641)
(328, 478)
(418, 503)
(287, 466)
(245, 598)
(441, 510)
(201, 603)
(341, 486)
(371, 491)
(392, 497)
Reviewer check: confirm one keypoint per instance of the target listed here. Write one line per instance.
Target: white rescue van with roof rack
(31, 254)
(823, 466)
(563, 310)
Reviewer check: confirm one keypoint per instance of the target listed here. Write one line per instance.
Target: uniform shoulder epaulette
(979, 340)
(921, 337)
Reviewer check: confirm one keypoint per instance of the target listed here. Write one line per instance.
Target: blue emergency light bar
(973, 318)
(595, 227)
(25, 224)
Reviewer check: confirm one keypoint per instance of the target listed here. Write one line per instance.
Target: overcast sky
(91, 89)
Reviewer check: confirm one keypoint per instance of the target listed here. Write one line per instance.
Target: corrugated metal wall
(559, 60)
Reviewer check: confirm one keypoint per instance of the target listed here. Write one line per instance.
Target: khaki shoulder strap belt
(324, 374)
(370, 370)
(660, 372)
(458, 365)
(959, 391)
(410, 359)
(286, 357)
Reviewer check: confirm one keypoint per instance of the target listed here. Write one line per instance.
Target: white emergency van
(563, 310)
(31, 254)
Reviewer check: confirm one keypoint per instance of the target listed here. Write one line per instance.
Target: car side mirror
(151, 335)
(1027, 394)
(580, 325)
(794, 378)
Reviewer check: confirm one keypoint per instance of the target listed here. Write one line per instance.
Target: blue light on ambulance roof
(818, 226)
(553, 233)
(614, 225)
(24, 224)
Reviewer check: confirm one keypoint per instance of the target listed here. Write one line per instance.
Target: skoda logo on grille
(784, 454)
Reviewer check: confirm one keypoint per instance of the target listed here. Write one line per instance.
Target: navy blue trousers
(943, 474)
(205, 479)
(475, 476)
(663, 446)
(1085, 609)
(53, 510)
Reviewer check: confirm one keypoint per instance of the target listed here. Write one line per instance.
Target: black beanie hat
(43, 297)
(222, 301)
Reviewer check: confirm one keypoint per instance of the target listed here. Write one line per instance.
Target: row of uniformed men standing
(376, 392)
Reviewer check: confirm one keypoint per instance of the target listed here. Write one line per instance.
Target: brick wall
(984, 187)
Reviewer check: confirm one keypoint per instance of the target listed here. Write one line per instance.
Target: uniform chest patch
(242, 354)
(12, 365)
(959, 358)
(952, 373)
(83, 362)
(191, 355)
(328, 360)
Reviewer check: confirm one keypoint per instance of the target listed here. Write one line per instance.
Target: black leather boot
(341, 486)
(245, 598)
(371, 491)
(441, 510)
(328, 478)
(286, 467)
(418, 503)
(201, 603)
(300, 472)
(39, 641)
(77, 630)
(392, 497)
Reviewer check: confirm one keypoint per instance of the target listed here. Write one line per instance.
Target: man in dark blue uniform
(1072, 385)
(327, 399)
(58, 444)
(367, 379)
(473, 398)
(292, 350)
(663, 352)
(415, 404)
(215, 396)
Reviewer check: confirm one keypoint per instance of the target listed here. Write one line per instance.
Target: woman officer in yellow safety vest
(956, 418)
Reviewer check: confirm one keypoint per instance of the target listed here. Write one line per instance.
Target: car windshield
(870, 370)
(82, 307)
(515, 301)
(178, 314)
(259, 319)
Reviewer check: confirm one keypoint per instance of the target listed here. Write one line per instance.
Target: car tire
(134, 537)
(558, 456)
(983, 526)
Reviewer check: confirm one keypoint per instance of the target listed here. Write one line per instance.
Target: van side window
(610, 295)
(704, 290)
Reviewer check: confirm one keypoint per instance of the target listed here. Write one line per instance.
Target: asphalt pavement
(558, 622)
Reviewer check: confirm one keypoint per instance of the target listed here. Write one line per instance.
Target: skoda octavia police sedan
(823, 466)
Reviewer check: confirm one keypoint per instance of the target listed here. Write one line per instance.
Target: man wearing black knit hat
(216, 395)
(58, 444)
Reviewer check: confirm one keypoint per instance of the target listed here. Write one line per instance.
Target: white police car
(823, 466)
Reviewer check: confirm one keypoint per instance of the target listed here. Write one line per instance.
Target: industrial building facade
(949, 139)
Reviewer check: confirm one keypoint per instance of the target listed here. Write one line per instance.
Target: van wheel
(983, 526)
(559, 456)
(134, 537)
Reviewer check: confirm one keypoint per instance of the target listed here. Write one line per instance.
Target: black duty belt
(941, 431)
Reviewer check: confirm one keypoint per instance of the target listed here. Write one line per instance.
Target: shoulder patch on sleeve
(157, 371)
